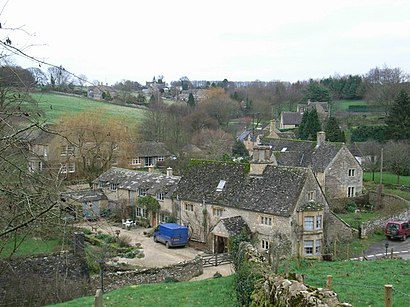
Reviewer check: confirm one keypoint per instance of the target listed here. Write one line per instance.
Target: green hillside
(54, 106)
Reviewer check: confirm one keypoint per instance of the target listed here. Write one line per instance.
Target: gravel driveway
(156, 254)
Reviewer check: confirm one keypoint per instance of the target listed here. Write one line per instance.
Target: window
(39, 166)
(100, 184)
(67, 150)
(317, 247)
(217, 211)
(310, 195)
(160, 196)
(31, 166)
(142, 192)
(308, 223)
(308, 247)
(350, 192)
(163, 218)
(189, 207)
(63, 168)
(141, 212)
(265, 244)
(113, 186)
(135, 161)
(351, 172)
(71, 167)
(266, 220)
(45, 151)
(319, 222)
(161, 158)
(148, 161)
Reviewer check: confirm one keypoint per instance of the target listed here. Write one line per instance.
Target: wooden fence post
(329, 282)
(388, 295)
(98, 302)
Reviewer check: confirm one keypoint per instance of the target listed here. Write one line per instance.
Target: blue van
(171, 234)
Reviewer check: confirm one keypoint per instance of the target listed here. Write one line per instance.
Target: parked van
(171, 234)
(397, 229)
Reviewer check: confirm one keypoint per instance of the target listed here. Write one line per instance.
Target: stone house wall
(337, 179)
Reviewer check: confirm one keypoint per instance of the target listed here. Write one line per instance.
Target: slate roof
(234, 225)
(85, 195)
(275, 192)
(291, 118)
(134, 180)
(152, 149)
(303, 153)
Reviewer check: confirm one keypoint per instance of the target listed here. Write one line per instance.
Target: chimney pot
(169, 172)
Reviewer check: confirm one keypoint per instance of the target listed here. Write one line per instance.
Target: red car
(397, 229)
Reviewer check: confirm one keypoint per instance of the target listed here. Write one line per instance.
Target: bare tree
(59, 76)
(396, 158)
(39, 76)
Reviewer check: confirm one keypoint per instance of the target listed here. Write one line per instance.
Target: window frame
(266, 220)
(352, 172)
(308, 220)
(309, 246)
(189, 207)
(265, 244)
(351, 191)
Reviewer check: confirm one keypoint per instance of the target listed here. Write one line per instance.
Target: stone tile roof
(85, 195)
(291, 118)
(303, 153)
(275, 192)
(235, 225)
(152, 149)
(134, 180)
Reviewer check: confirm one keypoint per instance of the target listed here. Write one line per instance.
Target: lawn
(361, 283)
(343, 105)
(210, 292)
(55, 105)
(388, 178)
(29, 246)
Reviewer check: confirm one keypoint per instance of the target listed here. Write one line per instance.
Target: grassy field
(29, 246)
(358, 283)
(210, 292)
(388, 178)
(343, 105)
(361, 283)
(54, 106)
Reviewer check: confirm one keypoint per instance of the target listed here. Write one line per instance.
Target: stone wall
(182, 271)
(337, 230)
(43, 280)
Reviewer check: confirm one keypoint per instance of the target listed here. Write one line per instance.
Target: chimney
(321, 137)
(272, 126)
(262, 156)
(151, 168)
(169, 172)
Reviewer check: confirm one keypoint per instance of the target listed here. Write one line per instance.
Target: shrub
(124, 240)
(351, 206)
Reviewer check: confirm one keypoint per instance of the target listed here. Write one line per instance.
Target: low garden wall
(182, 271)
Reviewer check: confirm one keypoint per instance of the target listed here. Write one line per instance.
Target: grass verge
(210, 292)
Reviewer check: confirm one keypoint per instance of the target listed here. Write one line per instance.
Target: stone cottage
(279, 205)
(125, 187)
(336, 169)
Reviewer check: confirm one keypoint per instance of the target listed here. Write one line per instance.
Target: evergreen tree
(333, 131)
(317, 92)
(398, 120)
(239, 150)
(309, 126)
(191, 100)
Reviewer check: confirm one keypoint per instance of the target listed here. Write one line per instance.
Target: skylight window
(220, 186)
(283, 149)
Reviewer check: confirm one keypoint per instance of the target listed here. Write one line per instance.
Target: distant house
(49, 151)
(278, 205)
(290, 120)
(126, 187)
(336, 169)
(321, 107)
(149, 154)
(102, 92)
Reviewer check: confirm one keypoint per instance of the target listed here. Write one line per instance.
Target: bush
(351, 206)
(124, 241)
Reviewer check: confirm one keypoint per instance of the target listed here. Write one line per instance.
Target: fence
(216, 259)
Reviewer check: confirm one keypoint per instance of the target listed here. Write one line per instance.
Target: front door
(154, 219)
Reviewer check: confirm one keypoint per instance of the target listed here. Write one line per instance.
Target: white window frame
(351, 191)
(142, 192)
(141, 212)
(71, 167)
(114, 186)
(266, 220)
(217, 212)
(308, 247)
(149, 161)
(318, 224)
(318, 247)
(160, 196)
(136, 161)
(265, 244)
(309, 223)
(161, 158)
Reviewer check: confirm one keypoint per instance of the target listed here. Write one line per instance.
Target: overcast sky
(239, 40)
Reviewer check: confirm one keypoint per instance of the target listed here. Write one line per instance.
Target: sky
(290, 40)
